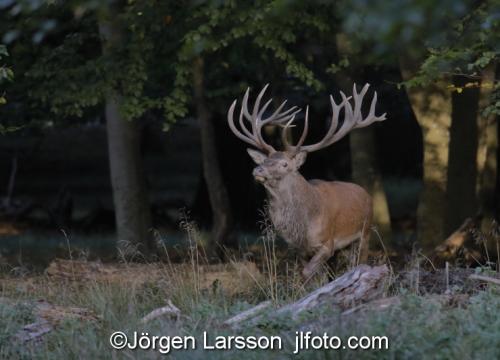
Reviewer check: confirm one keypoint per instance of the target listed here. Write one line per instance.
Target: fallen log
(248, 314)
(361, 284)
(34, 332)
(485, 278)
(75, 269)
(169, 310)
(234, 278)
(47, 317)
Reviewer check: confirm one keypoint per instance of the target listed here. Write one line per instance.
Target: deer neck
(291, 188)
(290, 207)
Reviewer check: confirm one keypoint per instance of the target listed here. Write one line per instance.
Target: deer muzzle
(259, 174)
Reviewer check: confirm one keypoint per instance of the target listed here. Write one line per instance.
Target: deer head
(272, 165)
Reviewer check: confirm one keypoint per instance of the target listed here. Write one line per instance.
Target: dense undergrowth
(420, 326)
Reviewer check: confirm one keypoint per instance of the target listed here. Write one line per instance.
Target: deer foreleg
(316, 261)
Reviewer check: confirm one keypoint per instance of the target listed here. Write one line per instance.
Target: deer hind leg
(316, 261)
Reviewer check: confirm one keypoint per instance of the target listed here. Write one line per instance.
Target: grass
(420, 327)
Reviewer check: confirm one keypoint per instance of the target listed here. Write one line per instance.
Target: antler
(254, 137)
(352, 119)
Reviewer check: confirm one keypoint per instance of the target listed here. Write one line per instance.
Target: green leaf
(7, 129)
(3, 51)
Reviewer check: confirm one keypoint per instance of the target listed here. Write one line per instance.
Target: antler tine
(285, 116)
(353, 118)
(257, 103)
(331, 130)
(357, 102)
(276, 118)
(371, 118)
(349, 121)
(371, 114)
(284, 133)
(284, 139)
(277, 111)
(244, 104)
(304, 131)
(255, 120)
(244, 112)
(243, 126)
(264, 108)
(254, 135)
(232, 126)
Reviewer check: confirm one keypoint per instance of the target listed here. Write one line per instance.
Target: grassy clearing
(420, 327)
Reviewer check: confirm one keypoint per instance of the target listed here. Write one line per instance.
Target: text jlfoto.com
(301, 341)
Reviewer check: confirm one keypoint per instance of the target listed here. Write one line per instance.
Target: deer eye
(284, 164)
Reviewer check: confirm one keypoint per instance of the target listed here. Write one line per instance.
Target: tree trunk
(365, 172)
(488, 145)
(364, 165)
(462, 159)
(132, 212)
(217, 192)
(432, 107)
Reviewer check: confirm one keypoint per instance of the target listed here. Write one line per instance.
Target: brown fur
(316, 217)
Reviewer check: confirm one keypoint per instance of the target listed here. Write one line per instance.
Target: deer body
(316, 217)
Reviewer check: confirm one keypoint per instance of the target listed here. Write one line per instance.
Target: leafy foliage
(6, 74)
(71, 75)
(243, 43)
(272, 31)
(449, 38)
(470, 45)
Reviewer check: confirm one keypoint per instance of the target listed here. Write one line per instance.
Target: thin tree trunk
(488, 145)
(10, 186)
(496, 198)
(432, 107)
(462, 159)
(132, 212)
(217, 192)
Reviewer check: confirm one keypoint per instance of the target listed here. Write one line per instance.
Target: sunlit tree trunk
(461, 199)
(132, 212)
(217, 191)
(432, 107)
(364, 165)
(365, 172)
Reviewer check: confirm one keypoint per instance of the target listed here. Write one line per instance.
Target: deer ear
(300, 159)
(256, 156)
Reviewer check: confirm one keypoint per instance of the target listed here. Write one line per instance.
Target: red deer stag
(316, 217)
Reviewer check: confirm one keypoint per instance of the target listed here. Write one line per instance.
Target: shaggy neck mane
(291, 187)
(289, 207)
